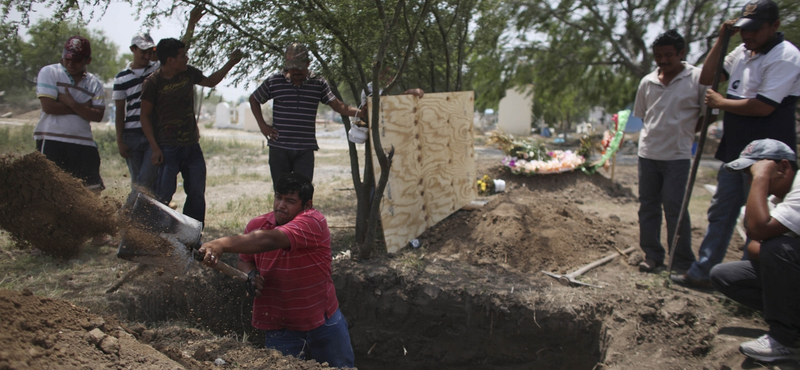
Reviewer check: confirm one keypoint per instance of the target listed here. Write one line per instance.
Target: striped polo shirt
(69, 128)
(298, 291)
(128, 86)
(294, 109)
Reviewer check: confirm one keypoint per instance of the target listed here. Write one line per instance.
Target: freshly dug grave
(48, 208)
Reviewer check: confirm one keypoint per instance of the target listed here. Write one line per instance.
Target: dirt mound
(524, 232)
(48, 208)
(44, 333)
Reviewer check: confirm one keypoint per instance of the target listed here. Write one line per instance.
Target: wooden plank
(433, 170)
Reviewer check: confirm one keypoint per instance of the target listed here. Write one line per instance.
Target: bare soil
(471, 297)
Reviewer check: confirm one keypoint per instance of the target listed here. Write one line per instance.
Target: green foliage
(594, 52)
(16, 139)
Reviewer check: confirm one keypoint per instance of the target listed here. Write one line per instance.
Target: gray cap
(761, 149)
(757, 12)
(143, 41)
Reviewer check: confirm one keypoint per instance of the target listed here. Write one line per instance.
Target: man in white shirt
(770, 280)
(670, 103)
(71, 97)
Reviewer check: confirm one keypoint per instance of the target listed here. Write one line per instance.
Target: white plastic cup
(499, 186)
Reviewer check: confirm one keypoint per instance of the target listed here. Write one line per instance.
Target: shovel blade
(157, 235)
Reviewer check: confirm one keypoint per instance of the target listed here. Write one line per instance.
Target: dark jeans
(328, 343)
(732, 190)
(189, 162)
(143, 173)
(662, 184)
(772, 286)
(287, 161)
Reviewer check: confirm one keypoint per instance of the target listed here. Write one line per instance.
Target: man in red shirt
(287, 255)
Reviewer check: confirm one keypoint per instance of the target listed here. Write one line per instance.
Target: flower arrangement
(530, 158)
(485, 185)
(558, 161)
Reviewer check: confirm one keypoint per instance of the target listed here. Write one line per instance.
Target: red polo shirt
(298, 291)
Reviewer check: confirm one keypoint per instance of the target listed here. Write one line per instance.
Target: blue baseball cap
(761, 149)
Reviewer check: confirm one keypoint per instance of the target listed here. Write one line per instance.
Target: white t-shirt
(68, 128)
(787, 211)
(669, 114)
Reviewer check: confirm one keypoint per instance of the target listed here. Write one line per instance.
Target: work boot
(688, 281)
(766, 349)
(648, 265)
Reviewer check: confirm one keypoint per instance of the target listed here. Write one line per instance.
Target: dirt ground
(472, 296)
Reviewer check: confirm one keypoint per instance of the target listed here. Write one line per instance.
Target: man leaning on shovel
(287, 256)
(764, 75)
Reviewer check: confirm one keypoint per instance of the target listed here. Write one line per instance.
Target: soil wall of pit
(397, 320)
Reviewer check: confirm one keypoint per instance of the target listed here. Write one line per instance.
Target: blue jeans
(143, 173)
(732, 190)
(328, 343)
(662, 184)
(189, 162)
(772, 286)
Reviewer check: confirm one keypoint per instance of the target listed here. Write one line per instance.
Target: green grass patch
(16, 139)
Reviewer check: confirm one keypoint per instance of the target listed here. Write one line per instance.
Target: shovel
(569, 279)
(160, 236)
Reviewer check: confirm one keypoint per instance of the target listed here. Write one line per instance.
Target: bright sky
(119, 24)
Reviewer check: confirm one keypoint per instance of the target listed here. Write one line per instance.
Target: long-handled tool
(726, 37)
(160, 236)
(569, 279)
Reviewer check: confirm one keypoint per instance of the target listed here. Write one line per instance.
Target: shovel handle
(223, 267)
(230, 271)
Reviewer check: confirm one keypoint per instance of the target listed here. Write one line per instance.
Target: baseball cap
(76, 48)
(143, 41)
(755, 13)
(761, 149)
(297, 56)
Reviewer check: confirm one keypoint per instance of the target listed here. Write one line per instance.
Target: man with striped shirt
(127, 94)
(287, 255)
(296, 94)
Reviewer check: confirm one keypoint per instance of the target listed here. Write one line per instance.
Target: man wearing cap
(770, 280)
(763, 90)
(127, 93)
(170, 126)
(296, 93)
(131, 142)
(670, 103)
(71, 97)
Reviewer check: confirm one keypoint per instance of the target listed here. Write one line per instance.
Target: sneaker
(648, 265)
(685, 280)
(766, 349)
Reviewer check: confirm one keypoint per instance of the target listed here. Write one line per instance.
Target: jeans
(731, 195)
(286, 161)
(189, 162)
(143, 173)
(328, 343)
(772, 285)
(663, 184)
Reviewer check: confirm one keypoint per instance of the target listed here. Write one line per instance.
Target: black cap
(757, 12)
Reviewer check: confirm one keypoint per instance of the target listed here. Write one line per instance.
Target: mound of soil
(531, 227)
(48, 208)
(43, 333)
